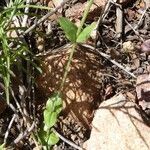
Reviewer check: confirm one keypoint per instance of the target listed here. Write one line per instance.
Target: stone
(118, 126)
(143, 90)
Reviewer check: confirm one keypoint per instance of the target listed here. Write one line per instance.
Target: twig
(119, 21)
(136, 32)
(21, 135)
(140, 21)
(110, 29)
(16, 112)
(46, 16)
(68, 141)
(109, 58)
(17, 103)
(93, 49)
(57, 50)
(101, 18)
(13, 108)
(23, 112)
(24, 22)
(9, 127)
(103, 14)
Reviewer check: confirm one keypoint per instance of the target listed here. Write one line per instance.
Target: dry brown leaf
(136, 61)
(143, 90)
(57, 3)
(143, 86)
(145, 47)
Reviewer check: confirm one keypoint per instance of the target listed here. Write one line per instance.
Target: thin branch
(101, 18)
(17, 103)
(103, 14)
(21, 135)
(93, 49)
(119, 21)
(140, 21)
(136, 32)
(46, 16)
(109, 58)
(68, 141)
(9, 127)
(25, 19)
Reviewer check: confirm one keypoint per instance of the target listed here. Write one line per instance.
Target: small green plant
(75, 35)
(71, 29)
(46, 136)
(2, 147)
(14, 50)
(53, 107)
(9, 55)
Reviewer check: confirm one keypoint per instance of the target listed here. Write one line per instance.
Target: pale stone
(118, 126)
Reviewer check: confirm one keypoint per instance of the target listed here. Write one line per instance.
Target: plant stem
(34, 6)
(74, 45)
(8, 78)
(67, 67)
(84, 17)
(6, 69)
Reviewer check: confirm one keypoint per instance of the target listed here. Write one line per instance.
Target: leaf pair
(53, 107)
(48, 139)
(51, 112)
(71, 29)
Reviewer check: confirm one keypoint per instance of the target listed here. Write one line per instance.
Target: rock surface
(143, 90)
(118, 126)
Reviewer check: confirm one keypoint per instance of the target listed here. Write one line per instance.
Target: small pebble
(145, 47)
(140, 70)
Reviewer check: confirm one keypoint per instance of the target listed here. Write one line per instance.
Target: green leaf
(53, 139)
(53, 119)
(54, 104)
(69, 28)
(52, 110)
(43, 136)
(49, 119)
(2, 147)
(85, 34)
(50, 105)
(47, 115)
(58, 100)
(58, 104)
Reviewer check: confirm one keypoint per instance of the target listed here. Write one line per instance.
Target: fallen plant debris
(145, 47)
(143, 91)
(63, 62)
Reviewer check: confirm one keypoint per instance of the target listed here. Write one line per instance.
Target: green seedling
(71, 29)
(46, 135)
(75, 35)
